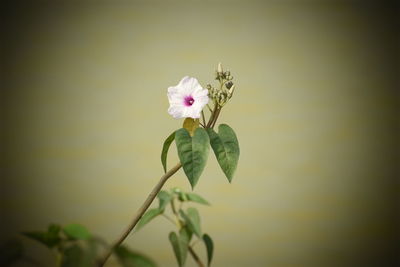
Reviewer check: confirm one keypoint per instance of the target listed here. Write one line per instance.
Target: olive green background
(315, 111)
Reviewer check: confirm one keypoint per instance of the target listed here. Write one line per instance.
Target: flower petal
(188, 86)
(176, 112)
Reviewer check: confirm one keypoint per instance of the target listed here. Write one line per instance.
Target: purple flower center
(188, 101)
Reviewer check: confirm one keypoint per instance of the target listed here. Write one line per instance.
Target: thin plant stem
(212, 116)
(204, 118)
(195, 257)
(216, 117)
(140, 213)
(194, 243)
(209, 108)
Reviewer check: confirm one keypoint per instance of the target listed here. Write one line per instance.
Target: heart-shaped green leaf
(147, 217)
(226, 149)
(164, 152)
(192, 220)
(180, 246)
(209, 246)
(192, 152)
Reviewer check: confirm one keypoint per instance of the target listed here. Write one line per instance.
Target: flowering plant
(75, 246)
(193, 140)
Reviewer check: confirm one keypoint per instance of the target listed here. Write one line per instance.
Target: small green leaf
(164, 198)
(129, 258)
(226, 149)
(192, 152)
(196, 198)
(209, 246)
(164, 152)
(76, 232)
(49, 239)
(185, 234)
(192, 219)
(147, 217)
(180, 248)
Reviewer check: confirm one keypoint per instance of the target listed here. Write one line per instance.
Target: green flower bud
(219, 68)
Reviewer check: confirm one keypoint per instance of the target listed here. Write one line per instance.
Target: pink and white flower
(187, 99)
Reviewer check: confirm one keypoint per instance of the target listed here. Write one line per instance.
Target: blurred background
(315, 110)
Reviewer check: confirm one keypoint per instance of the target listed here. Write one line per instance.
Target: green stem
(204, 118)
(212, 115)
(195, 257)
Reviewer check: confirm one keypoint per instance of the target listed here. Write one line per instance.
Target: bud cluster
(222, 94)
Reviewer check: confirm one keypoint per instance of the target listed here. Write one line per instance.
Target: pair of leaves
(192, 225)
(52, 237)
(180, 245)
(164, 199)
(180, 242)
(193, 149)
(129, 258)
